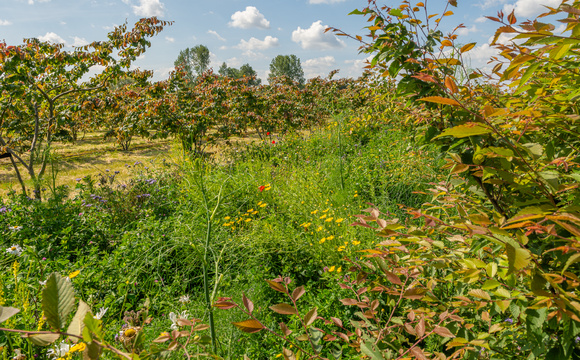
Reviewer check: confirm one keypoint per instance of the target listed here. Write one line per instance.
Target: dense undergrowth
(285, 210)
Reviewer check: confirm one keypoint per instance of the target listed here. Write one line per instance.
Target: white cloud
(490, 3)
(234, 62)
(464, 31)
(481, 19)
(249, 18)
(319, 66)
(63, 23)
(315, 37)
(356, 67)
(149, 8)
(223, 47)
(5, 22)
(52, 37)
(170, 39)
(256, 44)
(528, 8)
(325, 1)
(77, 41)
(31, 2)
(216, 35)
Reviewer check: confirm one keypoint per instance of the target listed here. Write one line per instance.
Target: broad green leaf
(490, 284)
(491, 269)
(571, 260)
(7, 312)
(465, 130)
(369, 350)
(518, 258)
(529, 72)
(249, 326)
(41, 339)
(77, 324)
(535, 318)
(92, 351)
(57, 300)
(92, 326)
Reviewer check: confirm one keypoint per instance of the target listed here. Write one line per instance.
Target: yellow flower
(262, 205)
(320, 228)
(248, 220)
(340, 248)
(326, 209)
(255, 212)
(227, 218)
(313, 212)
(329, 219)
(354, 242)
(330, 237)
(323, 216)
(339, 269)
(339, 220)
(322, 241)
(249, 211)
(331, 269)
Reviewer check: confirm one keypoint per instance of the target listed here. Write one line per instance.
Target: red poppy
(273, 141)
(268, 133)
(262, 188)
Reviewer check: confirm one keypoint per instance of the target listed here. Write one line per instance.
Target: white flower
(15, 228)
(18, 355)
(42, 283)
(14, 250)
(59, 351)
(174, 317)
(184, 299)
(101, 313)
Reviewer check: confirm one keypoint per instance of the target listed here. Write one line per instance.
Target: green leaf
(41, 339)
(396, 12)
(529, 72)
(571, 260)
(465, 130)
(535, 318)
(77, 324)
(478, 293)
(490, 284)
(518, 258)
(92, 326)
(92, 351)
(57, 300)
(7, 312)
(368, 349)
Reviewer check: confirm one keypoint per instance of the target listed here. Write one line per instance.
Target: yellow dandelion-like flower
(255, 212)
(320, 228)
(354, 242)
(355, 195)
(330, 237)
(329, 219)
(340, 248)
(313, 212)
(331, 269)
(339, 220)
(339, 269)
(227, 218)
(322, 241)
(251, 210)
(248, 220)
(326, 209)
(323, 216)
(263, 205)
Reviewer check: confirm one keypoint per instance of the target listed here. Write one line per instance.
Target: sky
(239, 32)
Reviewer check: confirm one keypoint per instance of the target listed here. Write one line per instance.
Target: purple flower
(577, 340)
(43, 258)
(509, 321)
(78, 179)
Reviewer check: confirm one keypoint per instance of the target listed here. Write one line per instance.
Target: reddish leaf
(443, 331)
(249, 326)
(420, 327)
(348, 301)
(298, 292)
(310, 317)
(336, 321)
(248, 303)
(285, 329)
(283, 309)
(276, 286)
(440, 100)
(224, 305)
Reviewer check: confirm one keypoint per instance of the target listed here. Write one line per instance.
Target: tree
(286, 65)
(41, 85)
(228, 71)
(247, 71)
(193, 61)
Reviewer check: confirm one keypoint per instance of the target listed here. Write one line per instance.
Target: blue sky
(239, 32)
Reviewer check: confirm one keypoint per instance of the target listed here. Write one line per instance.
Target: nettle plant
(84, 331)
(500, 239)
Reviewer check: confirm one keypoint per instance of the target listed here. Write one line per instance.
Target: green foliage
(193, 62)
(286, 66)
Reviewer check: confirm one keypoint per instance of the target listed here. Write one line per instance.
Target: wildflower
(330, 237)
(577, 339)
(227, 218)
(15, 228)
(355, 242)
(101, 313)
(320, 228)
(509, 321)
(18, 355)
(331, 269)
(59, 351)
(273, 141)
(174, 317)
(262, 188)
(323, 216)
(268, 133)
(313, 212)
(42, 283)
(339, 220)
(184, 299)
(341, 248)
(322, 241)
(263, 205)
(14, 250)
(329, 219)
(339, 269)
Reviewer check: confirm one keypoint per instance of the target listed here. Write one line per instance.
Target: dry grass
(92, 155)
